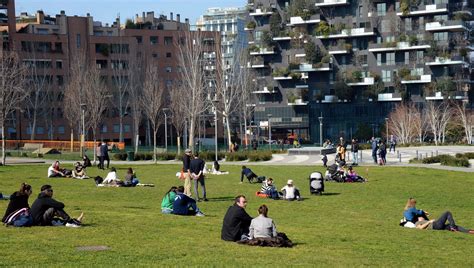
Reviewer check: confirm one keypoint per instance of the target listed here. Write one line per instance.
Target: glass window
(381, 9)
(443, 36)
(126, 128)
(419, 56)
(168, 69)
(139, 39)
(61, 130)
(391, 58)
(78, 41)
(408, 24)
(153, 40)
(116, 128)
(59, 64)
(379, 59)
(407, 57)
(103, 129)
(168, 54)
(386, 76)
(168, 40)
(40, 130)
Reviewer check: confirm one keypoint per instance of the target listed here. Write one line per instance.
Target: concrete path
(393, 159)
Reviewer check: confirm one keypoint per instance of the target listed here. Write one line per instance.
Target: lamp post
(166, 128)
(269, 131)
(215, 101)
(386, 128)
(83, 110)
(321, 130)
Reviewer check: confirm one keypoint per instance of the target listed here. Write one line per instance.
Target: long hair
(24, 188)
(263, 210)
(172, 189)
(410, 203)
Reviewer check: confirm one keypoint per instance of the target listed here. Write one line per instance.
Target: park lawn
(352, 225)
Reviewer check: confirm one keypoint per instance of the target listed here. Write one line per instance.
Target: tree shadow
(224, 198)
(328, 194)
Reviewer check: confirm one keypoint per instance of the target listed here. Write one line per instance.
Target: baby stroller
(333, 174)
(316, 183)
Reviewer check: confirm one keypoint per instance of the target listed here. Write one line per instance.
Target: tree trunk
(33, 127)
(3, 145)
(154, 144)
(229, 138)
(191, 134)
(95, 142)
(121, 127)
(245, 131)
(178, 143)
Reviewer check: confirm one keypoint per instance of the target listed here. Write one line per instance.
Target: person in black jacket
(248, 173)
(236, 221)
(104, 152)
(196, 167)
(18, 200)
(45, 208)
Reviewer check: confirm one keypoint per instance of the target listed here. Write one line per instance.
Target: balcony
(392, 46)
(425, 10)
(347, 33)
(294, 21)
(440, 61)
(366, 81)
(282, 38)
(305, 67)
(328, 3)
(438, 96)
(265, 90)
(261, 12)
(279, 78)
(390, 97)
(263, 51)
(417, 79)
(330, 99)
(459, 95)
(449, 25)
(298, 102)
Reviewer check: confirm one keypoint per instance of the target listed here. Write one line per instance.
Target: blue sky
(107, 10)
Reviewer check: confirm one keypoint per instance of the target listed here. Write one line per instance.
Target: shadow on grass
(327, 194)
(225, 198)
(132, 207)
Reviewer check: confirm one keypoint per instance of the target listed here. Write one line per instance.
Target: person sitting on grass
(290, 192)
(55, 171)
(111, 179)
(185, 205)
(236, 222)
(45, 209)
(351, 176)
(130, 178)
(79, 171)
(421, 220)
(86, 162)
(262, 226)
(167, 201)
(269, 189)
(248, 174)
(18, 200)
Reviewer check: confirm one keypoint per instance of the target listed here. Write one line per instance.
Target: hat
(290, 182)
(187, 151)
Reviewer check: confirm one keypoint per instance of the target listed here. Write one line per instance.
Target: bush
(446, 160)
(166, 156)
(210, 155)
(120, 156)
(259, 156)
(455, 162)
(236, 156)
(24, 154)
(469, 155)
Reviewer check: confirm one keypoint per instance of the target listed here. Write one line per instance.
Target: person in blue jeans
(374, 149)
(269, 189)
(185, 205)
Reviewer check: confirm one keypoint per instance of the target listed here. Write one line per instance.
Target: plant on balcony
(348, 46)
(404, 73)
(402, 38)
(343, 91)
(253, 48)
(429, 89)
(293, 65)
(445, 85)
(279, 72)
(326, 59)
(374, 90)
(267, 39)
(295, 76)
(291, 96)
(463, 52)
(356, 76)
(313, 53)
(413, 40)
(390, 44)
(301, 8)
(275, 24)
(322, 29)
(405, 7)
(251, 25)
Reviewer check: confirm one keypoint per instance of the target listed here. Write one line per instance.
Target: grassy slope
(354, 224)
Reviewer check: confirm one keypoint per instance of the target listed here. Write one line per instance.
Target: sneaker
(453, 229)
(73, 225)
(205, 199)
(200, 214)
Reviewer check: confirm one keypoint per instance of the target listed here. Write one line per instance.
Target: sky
(107, 10)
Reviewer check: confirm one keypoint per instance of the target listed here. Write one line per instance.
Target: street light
(215, 101)
(269, 131)
(386, 128)
(83, 109)
(166, 128)
(321, 130)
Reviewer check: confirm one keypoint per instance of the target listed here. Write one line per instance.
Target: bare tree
(135, 76)
(420, 125)
(152, 101)
(191, 48)
(178, 117)
(246, 82)
(12, 88)
(400, 123)
(438, 116)
(465, 118)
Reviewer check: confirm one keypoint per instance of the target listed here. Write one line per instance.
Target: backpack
(20, 218)
(98, 180)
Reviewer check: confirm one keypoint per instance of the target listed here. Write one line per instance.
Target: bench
(32, 146)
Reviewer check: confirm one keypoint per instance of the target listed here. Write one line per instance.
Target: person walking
(187, 172)
(98, 153)
(104, 151)
(393, 143)
(355, 152)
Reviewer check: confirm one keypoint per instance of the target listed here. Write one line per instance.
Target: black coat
(41, 204)
(17, 202)
(236, 223)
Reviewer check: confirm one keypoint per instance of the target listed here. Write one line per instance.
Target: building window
(168, 54)
(443, 36)
(168, 69)
(61, 130)
(154, 40)
(408, 26)
(391, 58)
(407, 57)
(168, 40)
(386, 76)
(116, 128)
(381, 9)
(103, 129)
(139, 39)
(40, 130)
(78, 40)
(154, 55)
(419, 56)
(59, 80)
(379, 59)
(126, 128)
(59, 64)
(385, 26)
(361, 11)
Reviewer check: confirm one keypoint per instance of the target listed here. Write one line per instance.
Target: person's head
(129, 170)
(25, 189)
(196, 155)
(85, 157)
(47, 190)
(289, 183)
(269, 181)
(350, 168)
(180, 189)
(56, 164)
(77, 164)
(188, 152)
(113, 169)
(353, 140)
(263, 210)
(411, 203)
(173, 189)
(241, 201)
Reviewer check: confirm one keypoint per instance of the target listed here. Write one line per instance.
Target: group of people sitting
(45, 211)
(418, 218)
(289, 192)
(112, 179)
(340, 172)
(78, 172)
(238, 226)
(176, 202)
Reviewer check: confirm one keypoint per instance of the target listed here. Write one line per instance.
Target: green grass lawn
(352, 225)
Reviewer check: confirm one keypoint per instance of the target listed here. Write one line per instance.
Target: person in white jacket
(112, 178)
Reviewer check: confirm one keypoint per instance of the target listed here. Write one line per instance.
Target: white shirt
(290, 191)
(111, 177)
(50, 171)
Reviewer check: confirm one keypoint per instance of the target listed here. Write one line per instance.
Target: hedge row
(249, 155)
(460, 160)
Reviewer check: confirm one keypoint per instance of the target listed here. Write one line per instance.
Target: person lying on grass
(421, 220)
(185, 205)
(167, 201)
(55, 171)
(45, 210)
(18, 200)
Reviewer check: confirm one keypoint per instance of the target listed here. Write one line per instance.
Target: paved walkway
(399, 158)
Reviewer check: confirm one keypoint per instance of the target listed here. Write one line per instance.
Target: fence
(59, 145)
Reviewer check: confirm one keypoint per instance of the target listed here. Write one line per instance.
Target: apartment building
(49, 45)
(341, 66)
